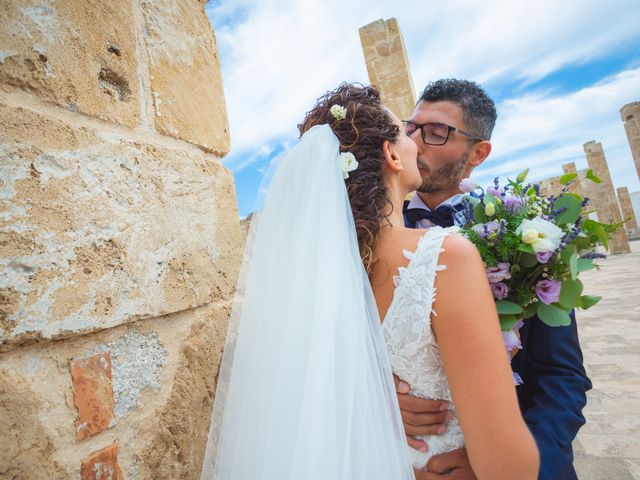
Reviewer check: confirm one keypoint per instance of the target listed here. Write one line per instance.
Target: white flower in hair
(338, 112)
(348, 163)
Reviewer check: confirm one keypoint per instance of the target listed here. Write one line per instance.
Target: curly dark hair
(366, 126)
(478, 110)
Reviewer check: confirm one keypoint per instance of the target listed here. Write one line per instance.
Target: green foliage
(572, 204)
(553, 316)
(567, 178)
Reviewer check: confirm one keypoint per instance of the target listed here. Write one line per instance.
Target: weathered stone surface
(102, 465)
(177, 450)
(603, 196)
(79, 54)
(92, 394)
(630, 115)
(388, 65)
(608, 446)
(163, 373)
(185, 73)
(98, 230)
(27, 450)
(631, 224)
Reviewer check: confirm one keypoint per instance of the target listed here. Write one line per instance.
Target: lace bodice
(412, 347)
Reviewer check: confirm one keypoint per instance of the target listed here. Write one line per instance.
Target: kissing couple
(344, 289)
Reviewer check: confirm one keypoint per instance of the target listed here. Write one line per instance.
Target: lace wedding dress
(415, 357)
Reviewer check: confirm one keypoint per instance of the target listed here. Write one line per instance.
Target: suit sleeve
(556, 385)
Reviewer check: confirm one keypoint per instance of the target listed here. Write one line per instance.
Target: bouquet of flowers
(534, 248)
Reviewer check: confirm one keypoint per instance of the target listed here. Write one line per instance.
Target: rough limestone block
(163, 376)
(92, 394)
(102, 465)
(97, 230)
(630, 115)
(628, 215)
(186, 82)
(604, 198)
(388, 65)
(79, 54)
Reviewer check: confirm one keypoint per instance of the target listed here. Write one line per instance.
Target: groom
(452, 125)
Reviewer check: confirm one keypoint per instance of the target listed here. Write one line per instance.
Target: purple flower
(467, 185)
(495, 191)
(486, 229)
(512, 203)
(544, 257)
(499, 273)
(500, 290)
(548, 291)
(511, 338)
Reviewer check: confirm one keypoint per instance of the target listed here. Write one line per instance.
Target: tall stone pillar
(119, 237)
(631, 223)
(603, 198)
(630, 115)
(388, 65)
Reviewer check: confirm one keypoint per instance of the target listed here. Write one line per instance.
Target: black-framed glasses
(435, 133)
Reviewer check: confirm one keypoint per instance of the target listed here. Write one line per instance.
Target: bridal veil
(305, 389)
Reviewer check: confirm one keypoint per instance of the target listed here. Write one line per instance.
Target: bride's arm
(475, 362)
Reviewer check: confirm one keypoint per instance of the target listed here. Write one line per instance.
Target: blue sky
(558, 71)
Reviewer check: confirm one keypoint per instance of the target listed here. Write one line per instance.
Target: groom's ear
(391, 158)
(481, 151)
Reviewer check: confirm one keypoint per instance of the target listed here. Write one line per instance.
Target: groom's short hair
(478, 110)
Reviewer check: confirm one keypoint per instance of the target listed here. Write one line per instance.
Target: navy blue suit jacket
(553, 393)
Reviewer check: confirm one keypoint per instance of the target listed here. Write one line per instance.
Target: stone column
(119, 237)
(630, 115)
(388, 66)
(631, 223)
(603, 198)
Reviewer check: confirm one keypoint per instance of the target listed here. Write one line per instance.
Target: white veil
(305, 388)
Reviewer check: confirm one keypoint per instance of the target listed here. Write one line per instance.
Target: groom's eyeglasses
(435, 133)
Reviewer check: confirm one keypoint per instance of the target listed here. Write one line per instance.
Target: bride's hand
(450, 465)
(420, 416)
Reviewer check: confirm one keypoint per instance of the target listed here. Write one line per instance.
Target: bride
(305, 390)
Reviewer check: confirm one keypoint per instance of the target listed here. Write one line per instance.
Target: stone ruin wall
(119, 237)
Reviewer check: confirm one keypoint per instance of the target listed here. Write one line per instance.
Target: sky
(559, 73)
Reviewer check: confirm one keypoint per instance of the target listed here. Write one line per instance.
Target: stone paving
(608, 446)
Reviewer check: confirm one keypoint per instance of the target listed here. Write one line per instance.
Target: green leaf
(553, 316)
(573, 265)
(573, 209)
(507, 322)
(591, 176)
(525, 247)
(521, 176)
(530, 310)
(585, 264)
(566, 254)
(570, 293)
(478, 214)
(506, 307)
(602, 236)
(528, 260)
(588, 301)
(568, 177)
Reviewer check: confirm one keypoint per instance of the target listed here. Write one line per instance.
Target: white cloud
(551, 130)
(278, 56)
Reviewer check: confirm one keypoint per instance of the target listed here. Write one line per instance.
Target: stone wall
(630, 115)
(119, 237)
(628, 214)
(388, 65)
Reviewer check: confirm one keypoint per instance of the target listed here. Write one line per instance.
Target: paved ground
(608, 446)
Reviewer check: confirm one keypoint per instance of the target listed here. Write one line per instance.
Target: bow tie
(441, 216)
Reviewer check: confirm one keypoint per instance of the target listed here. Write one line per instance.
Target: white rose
(547, 235)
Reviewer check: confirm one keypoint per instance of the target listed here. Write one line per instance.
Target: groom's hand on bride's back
(450, 465)
(421, 416)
